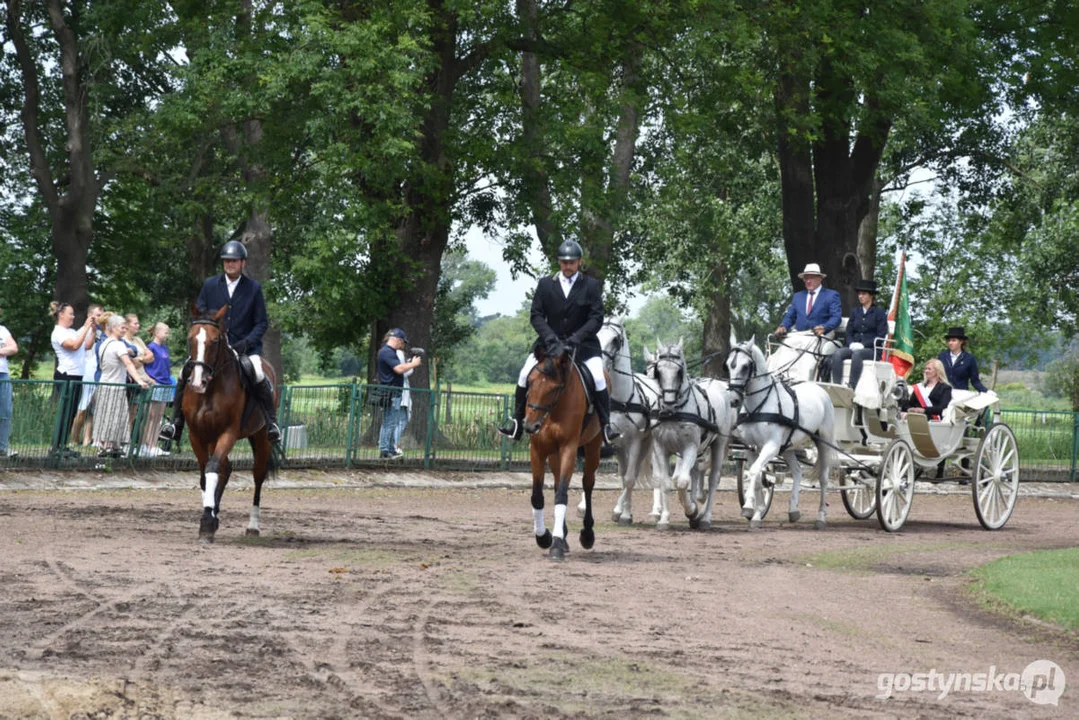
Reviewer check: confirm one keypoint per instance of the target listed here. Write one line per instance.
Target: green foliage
(1043, 583)
(461, 283)
(495, 353)
(1062, 380)
(661, 320)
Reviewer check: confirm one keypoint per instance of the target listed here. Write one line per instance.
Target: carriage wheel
(860, 499)
(895, 486)
(769, 491)
(996, 476)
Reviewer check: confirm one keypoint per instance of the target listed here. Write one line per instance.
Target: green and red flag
(901, 352)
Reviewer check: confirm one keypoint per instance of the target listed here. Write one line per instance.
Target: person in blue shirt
(246, 322)
(866, 324)
(960, 365)
(816, 308)
(391, 372)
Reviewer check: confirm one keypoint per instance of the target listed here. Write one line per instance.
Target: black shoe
(273, 433)
(172, 430)
(513, 429)
(9, 454)
(390, 455)
(610, 435)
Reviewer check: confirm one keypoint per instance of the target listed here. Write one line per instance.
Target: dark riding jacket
(246, 320)
(573, 320)
(964, 372)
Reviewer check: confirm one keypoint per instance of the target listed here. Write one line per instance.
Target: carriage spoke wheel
(895, 486)
(769, 479)
(859, 498)
(995, 484)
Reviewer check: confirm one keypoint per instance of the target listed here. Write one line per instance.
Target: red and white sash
(921, 394)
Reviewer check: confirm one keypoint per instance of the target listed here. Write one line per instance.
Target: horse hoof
(654, 516)
(694, 523)
(794, 516)
(754, 524)
(819, 525)
(544, 540)
(747, 513)
(624, 521)
(205, 539)
(663, 526)
(252, 532)
(704, 525)
(558, 550)
(588, 538)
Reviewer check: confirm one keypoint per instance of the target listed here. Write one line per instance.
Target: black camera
(417, 351)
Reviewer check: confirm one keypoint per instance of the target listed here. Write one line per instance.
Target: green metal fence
(336, 426)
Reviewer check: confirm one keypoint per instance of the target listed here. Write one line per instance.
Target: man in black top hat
(567, 312)
(246, 323)
(867, 322)
(960, 365)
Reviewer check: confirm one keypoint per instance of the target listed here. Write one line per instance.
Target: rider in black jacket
(567, 312)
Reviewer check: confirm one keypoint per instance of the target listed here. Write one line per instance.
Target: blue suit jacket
(827, 311)
(246, 317)
(963, 372)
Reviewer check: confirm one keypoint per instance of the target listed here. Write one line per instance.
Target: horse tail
(277, 459)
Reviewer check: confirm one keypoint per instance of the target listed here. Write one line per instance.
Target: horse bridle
(546, 409)
(210, 368)
(672, 358)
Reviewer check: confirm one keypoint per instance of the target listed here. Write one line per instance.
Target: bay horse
(214, 406)
(557, 405)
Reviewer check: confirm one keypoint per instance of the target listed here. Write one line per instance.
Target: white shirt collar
(231, 284)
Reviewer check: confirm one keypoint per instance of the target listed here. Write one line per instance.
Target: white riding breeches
(256, 363)
(594, 365)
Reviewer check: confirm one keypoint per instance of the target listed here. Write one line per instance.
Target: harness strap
(675, 416)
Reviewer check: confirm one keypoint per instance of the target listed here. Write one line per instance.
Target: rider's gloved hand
(240, 347)
(556, 351)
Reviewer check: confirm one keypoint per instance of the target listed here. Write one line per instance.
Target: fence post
(1075, 444)
(506, 446)
(353, 422)
(432, 415)
(286, 415)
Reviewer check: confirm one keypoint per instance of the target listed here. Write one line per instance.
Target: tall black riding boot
(264, 394)
(603, 412)
(174, 428)
(515, 426)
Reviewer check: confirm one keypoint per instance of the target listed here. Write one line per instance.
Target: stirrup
(273, 432)
(169, 432)
(514, 432)
(610, 434)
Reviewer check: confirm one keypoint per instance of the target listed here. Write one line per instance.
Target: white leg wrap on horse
(210, 491)
(256, 363)
(537, 522)
(254, 523)
(595, 368)
(559, 521)
(530, 362)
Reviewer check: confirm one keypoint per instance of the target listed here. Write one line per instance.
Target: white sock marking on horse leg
(537, 522)
(210, 491)
(559, 521)
(254, 522)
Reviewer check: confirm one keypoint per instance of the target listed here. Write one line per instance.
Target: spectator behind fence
(8, 347)
(406, 404)
(84, 418)
(111, 425)
(160, 371)
(70, 346)
(391, 372)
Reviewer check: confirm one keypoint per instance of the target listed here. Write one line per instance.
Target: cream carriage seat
(967, 404)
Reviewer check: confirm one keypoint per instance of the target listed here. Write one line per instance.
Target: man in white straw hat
(815, 308)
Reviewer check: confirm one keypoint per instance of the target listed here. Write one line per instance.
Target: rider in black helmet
(567, 312)
(246, 323)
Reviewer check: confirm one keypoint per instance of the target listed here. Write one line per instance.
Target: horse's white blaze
(537, 522)
(200, 356)
(559, 521)
(210, 491)
(254, 522)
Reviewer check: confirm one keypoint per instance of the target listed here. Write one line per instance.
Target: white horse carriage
(880, 450)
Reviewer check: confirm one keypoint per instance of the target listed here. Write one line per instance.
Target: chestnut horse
(213, 404)
(555, 422)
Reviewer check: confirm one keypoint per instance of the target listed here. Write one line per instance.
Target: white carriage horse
(777, 418)
(634, 399)
(695, 417)
(798, 355)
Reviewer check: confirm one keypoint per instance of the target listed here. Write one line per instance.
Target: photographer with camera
(391, 372)
(406, 396)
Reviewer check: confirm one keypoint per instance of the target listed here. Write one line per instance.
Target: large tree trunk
(71, 213)
(867, 231)
(716, 342)
(795, 170)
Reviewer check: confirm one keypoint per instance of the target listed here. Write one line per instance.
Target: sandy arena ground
(413, 596)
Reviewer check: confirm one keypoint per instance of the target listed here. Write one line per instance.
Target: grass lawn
(1044, 584)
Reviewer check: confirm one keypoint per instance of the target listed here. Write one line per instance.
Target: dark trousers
(857, 357)
(74, 390)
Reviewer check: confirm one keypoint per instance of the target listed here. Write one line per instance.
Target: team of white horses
(668, 418)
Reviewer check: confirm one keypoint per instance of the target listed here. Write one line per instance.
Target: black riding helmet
(234, 250)
(570, 250)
